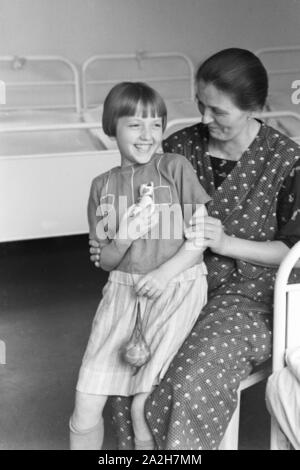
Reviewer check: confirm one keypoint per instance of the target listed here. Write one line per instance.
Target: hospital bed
(51, 148)
(282, 64)
(286, 328)
(48, 157)
(52, 144)
(286, 332)
(170, 73)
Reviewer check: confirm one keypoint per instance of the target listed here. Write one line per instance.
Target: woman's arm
(265, 253)
(190, 253)
(154, 283)
(268, 253)
(95, 251)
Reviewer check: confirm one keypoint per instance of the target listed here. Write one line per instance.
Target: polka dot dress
(193, 404)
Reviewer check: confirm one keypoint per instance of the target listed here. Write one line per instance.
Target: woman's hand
(210, 231)
(152, 284)
(95, 252)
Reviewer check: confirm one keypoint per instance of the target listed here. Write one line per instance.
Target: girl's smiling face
(138, 137)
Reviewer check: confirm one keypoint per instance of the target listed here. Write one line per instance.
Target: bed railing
(286, 327)
(264, 52)
(17, 67)
(286, 309)
(172, 125)
(50, 127)
(183, 71)
(177, 123)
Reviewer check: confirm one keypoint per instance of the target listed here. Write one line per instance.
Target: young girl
(154, 271)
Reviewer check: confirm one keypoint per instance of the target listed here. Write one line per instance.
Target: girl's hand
(152, 284)
(133, 227)
(210, 230)
(95, 252)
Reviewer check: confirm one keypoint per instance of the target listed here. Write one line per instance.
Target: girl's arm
(153, 283)
(187, 256)
(110, 252)
(190, 253)
(131, 228)
(113, 253)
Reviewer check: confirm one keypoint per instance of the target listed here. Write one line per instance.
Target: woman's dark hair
(238, 73)
(124, 100)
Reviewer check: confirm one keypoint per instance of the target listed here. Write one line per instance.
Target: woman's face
(224, 119)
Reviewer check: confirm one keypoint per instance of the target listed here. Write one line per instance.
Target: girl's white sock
(87, 439)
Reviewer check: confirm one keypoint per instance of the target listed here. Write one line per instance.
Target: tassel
(136, 352)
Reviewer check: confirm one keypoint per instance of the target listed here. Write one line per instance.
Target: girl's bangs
(143, 107)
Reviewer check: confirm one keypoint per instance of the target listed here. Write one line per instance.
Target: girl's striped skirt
(166, 323)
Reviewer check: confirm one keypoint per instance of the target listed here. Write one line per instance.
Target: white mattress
(282, 102)
(41, 142)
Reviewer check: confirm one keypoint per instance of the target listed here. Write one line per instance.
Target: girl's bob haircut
(125, 99)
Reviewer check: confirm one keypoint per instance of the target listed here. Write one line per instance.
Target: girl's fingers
(157, 293)
(139, 286)
(146, 287)
(149, 293)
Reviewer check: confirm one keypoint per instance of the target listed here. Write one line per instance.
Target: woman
(252, 173)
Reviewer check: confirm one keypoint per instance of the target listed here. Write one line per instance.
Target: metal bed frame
(18, 64)
(45, 193)
(283, 75)
(265, 51)
(285, 335)
(88, 164)
(85, 162)
(139, 58)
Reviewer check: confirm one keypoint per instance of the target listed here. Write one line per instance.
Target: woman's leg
(86, 423)
(192, 406)
(142, 434)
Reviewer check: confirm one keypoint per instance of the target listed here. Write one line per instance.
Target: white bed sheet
(46, 195)
(39, 142)
(281, 101)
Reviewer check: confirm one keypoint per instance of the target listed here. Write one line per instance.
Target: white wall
(79, 28)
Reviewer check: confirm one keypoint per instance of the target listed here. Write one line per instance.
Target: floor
(49, 292)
